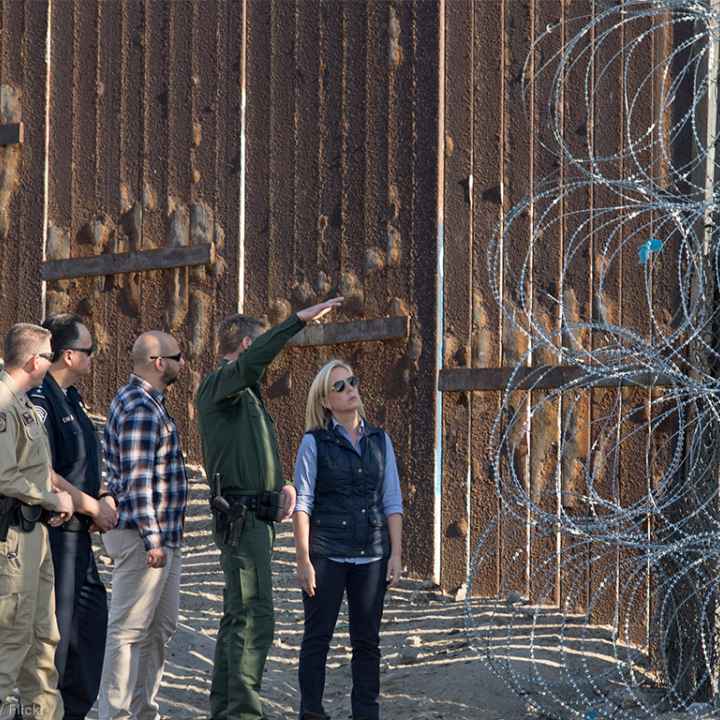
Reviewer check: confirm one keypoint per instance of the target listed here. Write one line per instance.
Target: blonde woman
(348, 536)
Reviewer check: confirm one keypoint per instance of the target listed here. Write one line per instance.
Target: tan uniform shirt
(24, 449)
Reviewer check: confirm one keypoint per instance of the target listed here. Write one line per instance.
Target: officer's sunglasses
(339, 386)
(45, 356)
(177, 358)
(88, 351)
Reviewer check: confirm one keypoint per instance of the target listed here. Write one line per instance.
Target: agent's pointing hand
(315, 312)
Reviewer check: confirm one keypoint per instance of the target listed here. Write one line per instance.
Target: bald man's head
(155, 353)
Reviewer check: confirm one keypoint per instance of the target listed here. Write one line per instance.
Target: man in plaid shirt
(146, 475)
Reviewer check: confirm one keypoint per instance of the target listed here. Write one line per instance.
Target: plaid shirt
(146, 469)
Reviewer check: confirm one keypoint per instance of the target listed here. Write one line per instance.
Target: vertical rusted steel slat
(258, 140)
(604, 403)
(633, 481)
(516, 179)
(60, 149)
(419, 363)
(458, 278)
(575, 286)
(546, 274)
(23, 97)
(105, 221)
(485, 348)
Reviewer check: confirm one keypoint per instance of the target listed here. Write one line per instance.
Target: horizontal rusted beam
(11, 134)
(390, 328)
(119, 263)
(543, 377)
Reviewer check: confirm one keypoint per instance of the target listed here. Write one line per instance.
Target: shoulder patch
(3, 422)
(41, 412)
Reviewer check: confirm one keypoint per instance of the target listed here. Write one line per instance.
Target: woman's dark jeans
(365, 586)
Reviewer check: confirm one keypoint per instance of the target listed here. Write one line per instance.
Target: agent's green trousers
(247, 625)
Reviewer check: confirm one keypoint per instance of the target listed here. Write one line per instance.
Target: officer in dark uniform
(81, 602)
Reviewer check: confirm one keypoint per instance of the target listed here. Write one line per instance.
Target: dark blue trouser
(365, 586)
(82, 612)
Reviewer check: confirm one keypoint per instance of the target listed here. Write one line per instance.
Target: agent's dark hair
(21, 343)
(232, 330)
(64, 331)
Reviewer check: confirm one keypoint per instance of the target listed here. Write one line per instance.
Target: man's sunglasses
(177, 358)
(339, 386)
(88, 351)
(45, 356)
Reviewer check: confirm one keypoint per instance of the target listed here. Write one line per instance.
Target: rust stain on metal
(10, 112)
(377, 330)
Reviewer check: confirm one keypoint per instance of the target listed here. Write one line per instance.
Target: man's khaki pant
(28, 629)
(143, 617)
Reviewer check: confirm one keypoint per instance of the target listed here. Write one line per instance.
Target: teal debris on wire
(653, 245)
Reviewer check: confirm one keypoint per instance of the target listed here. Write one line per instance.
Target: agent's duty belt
(230, 511)
(250, 502)
(14, 513)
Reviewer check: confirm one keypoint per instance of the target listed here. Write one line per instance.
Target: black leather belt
(77, 523)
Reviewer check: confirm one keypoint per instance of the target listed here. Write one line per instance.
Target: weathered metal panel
(341, 190)
(546, 276)
(604, 405)
(666, 296)
(636, 314)
(488, 119)
(575, 286)
(516, 179)
(113, 224)
(332, 204)
(459, 107)
(22, 166)
(160, 175)
(417, 368)
(258, 148)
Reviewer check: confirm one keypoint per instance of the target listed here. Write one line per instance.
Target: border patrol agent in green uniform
(28, 629)
(242, 463)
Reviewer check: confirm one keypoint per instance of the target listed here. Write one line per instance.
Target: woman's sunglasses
(339, 386)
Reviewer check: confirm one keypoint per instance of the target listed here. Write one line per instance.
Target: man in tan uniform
(28, 630)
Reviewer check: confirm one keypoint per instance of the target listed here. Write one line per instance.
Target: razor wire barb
(638, 570)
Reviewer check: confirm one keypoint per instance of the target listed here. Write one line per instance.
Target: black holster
(230, 519)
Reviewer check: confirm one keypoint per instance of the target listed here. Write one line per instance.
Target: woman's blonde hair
(316, 414)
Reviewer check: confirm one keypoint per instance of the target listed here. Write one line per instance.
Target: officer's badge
(28, 418)
(3, 422)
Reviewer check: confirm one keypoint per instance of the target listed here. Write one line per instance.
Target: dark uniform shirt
(238, 435)
(73, 441)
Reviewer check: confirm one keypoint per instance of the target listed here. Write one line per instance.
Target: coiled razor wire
(625, 554)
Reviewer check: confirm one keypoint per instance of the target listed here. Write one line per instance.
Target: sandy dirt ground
(431, 666)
